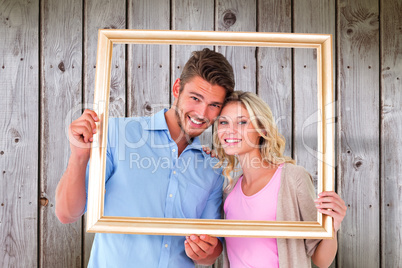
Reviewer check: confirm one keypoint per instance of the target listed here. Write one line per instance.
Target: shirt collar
(158, 122)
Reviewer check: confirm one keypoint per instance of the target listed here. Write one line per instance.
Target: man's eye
(195, 98)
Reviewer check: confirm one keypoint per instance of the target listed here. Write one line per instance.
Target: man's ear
(176, 88)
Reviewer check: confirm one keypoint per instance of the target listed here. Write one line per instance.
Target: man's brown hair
(211, 66)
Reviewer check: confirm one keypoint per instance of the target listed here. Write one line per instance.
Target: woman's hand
(208, 150)
(330, 203)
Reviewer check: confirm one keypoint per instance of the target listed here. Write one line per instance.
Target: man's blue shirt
(146, 178)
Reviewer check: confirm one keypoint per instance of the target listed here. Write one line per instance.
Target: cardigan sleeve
(308, 211)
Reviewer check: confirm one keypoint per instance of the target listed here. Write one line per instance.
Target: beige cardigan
(296, 203)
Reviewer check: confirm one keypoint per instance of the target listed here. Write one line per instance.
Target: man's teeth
(195, 121)
(234, 140)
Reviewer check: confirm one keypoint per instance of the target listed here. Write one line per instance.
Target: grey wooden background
(47, 67)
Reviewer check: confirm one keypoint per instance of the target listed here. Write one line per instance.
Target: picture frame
(98, 222)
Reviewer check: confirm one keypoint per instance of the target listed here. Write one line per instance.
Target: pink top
(253, 252)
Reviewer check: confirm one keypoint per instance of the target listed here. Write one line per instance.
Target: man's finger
(83, 132)
(189, 251)
(89, 124)
(92, 114)
(213, 241)
(88, 118)
(198, 247)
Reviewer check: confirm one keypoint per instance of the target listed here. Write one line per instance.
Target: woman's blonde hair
(271, 143)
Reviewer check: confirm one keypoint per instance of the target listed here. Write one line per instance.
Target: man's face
(198, 105)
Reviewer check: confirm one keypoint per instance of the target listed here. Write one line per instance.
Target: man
(155, 168)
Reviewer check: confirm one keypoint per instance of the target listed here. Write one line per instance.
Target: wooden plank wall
(391, 129)
(359, 131)
(19, 132)
(47, 69)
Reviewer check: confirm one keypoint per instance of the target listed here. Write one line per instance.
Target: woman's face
(236, 132)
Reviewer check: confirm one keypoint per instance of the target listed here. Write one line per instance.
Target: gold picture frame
(97, 222)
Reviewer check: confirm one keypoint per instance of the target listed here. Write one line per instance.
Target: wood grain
(19, 77)
(103, 15)
(61, 97)
(358, 148)
(391, 131)
(148, 65)
(237, 15)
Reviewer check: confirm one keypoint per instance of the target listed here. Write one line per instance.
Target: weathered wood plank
(19, 77)
(310, 16)
(237, 15)
(103, 15)
(190, 15)
(391, 131)
(61, 96)
(148, 65)
(274, 66)
(358, 148)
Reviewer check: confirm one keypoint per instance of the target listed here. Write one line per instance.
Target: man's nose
(202, 111)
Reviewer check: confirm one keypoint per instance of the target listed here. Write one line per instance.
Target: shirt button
(174, 150)
(166, 245)
(170, 195)
(174, 172)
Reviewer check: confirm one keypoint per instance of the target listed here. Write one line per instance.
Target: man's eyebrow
(197, 94)
(201, 97)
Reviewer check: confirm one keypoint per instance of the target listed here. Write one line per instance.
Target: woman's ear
(263, 131)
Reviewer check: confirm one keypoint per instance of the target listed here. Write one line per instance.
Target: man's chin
(192, 133)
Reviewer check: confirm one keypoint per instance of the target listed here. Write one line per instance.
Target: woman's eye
(223, 122)
(243, 122)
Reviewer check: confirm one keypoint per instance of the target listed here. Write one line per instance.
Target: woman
(271, 188)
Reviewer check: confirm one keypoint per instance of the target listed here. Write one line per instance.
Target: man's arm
(203, 249)
(70, 192)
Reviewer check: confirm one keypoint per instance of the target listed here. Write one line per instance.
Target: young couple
(271, 187)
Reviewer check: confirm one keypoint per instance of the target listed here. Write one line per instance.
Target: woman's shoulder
(294, 170)
(295, 174)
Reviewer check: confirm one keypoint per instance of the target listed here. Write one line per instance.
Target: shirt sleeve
(308, 211)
